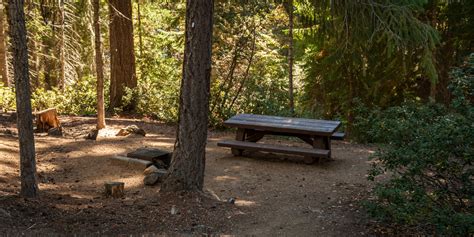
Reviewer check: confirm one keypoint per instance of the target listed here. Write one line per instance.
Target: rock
(132, 129)
(150, 169)
(93, 134)
(160, 164)
(155, 176)
(174, 210)
(231, 200)
(55, 132)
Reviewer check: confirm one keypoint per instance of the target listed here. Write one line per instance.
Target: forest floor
(275, 194)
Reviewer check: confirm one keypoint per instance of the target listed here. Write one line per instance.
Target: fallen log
(132, 160)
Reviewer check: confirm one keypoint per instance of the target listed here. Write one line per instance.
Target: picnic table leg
(308, 159)
(240, 136)
(320, 143)
(253, 135)
(327, 144)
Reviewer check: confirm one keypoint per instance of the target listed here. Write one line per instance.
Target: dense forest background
(345, 56)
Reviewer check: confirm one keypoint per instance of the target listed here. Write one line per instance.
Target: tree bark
(3, 49)
(247, 71)
(35, 68)
(99, 67)
(49, 63)
(140, 40)
(188, 163)
(29, 186)
(350, 104)
(122, 56)
(62, 48)
(290, 58)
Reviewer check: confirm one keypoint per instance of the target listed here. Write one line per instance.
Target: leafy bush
(393, 123)
(428, 153)
(159, 100)
(76, 99)
(7, 98)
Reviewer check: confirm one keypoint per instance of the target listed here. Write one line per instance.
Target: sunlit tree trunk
(290, 58)
(29, 186)
(3, 49)
(140, 40)
(49, 63)
(35, 68)
(350, 103)
(122, 56)
(188, 163)
(99, 67)
(62, 48)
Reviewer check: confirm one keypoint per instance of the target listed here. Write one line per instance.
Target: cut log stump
(47, 119)
(114, 189)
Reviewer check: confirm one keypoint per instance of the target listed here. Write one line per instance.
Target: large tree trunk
(290, 58)
(3, 49)
(187, 167)
(29, 186)
(99, 67)
(122, 56)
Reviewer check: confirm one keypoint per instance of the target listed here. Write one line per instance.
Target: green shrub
(7, 98)
(159, 100)
(428, 153)
(77, 99)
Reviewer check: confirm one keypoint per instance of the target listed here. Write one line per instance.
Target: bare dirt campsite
(274, 194)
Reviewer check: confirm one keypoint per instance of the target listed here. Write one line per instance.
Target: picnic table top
(284, 124)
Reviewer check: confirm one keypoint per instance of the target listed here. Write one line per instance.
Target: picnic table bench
(251, 128)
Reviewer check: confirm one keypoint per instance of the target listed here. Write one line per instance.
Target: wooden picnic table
(251, 128)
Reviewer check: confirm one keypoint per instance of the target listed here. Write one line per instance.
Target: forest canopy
(370, 53)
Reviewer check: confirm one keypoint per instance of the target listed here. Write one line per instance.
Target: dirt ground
(275, 194)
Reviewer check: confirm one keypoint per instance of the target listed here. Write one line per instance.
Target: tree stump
(47, 119)
(114, 189)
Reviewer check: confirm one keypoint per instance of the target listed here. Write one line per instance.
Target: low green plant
(7, 98)
(427, 152)
(76, 99)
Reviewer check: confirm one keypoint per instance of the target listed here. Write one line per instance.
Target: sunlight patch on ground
(108, 132)
(225, 178)
(244, 203)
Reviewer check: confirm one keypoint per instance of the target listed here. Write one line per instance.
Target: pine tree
(29, 186)
(99, 67)
(188, 163)
(122, 54)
